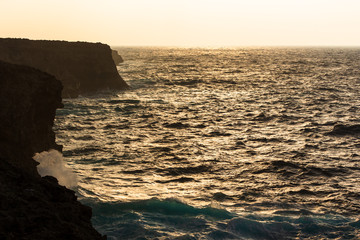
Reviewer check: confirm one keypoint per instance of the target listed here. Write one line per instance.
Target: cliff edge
(82, 67)
(33, 207)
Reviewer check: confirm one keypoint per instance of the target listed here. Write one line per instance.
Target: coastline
(31, 206)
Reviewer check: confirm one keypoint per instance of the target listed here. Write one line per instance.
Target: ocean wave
(173, 219)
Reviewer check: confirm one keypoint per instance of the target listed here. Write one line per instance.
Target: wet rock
(81, 67)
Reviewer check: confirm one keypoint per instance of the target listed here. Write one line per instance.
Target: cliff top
(82, 67)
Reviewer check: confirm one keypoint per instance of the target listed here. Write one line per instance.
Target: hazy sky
(185, 22)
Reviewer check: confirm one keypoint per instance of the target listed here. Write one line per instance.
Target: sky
(187, 23)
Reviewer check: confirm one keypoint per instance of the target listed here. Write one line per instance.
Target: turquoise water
(220, 144)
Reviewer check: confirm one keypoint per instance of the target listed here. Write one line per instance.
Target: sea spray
(51, 163)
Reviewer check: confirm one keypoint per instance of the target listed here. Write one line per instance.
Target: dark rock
(32, 207)
(81, 67)
(28, 101)
(116, 57)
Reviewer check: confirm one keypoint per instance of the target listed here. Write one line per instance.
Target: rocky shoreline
(33, 207)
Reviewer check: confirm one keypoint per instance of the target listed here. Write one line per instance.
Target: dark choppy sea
(221, 144)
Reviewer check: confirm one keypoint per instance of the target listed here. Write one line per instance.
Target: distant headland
(81, 67)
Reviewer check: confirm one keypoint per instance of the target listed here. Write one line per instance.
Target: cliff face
(116, 57)
(32, 207)
(28, 101)
(81, 67)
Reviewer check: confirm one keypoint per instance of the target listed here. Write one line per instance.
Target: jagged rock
(32, 207)
(116, 57)
(81, 67)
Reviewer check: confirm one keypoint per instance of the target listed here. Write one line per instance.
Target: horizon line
(233, 46)
(209, 46)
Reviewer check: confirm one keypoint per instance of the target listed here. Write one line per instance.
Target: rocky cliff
(33, 207)
(116, 57)
(81, 67)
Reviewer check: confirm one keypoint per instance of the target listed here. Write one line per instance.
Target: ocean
(221, 144)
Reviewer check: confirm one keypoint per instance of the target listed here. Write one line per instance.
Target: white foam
(52, 163)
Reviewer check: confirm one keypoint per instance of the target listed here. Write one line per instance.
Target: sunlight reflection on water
(241, 129)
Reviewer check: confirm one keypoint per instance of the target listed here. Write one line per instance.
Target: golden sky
(205, 23)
